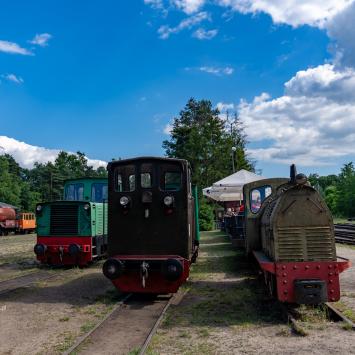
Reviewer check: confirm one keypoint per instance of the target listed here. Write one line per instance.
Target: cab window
(172, 181)
(257, 197)
(125, 179)
(74, 192)
(146, 180)
(99, 192)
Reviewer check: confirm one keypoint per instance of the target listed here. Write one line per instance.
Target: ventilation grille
(64, 219)
(320, 243)
(289, 244)
(305, 244)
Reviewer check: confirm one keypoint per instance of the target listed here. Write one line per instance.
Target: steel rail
(85, 336)
(25, 280)
(335, 314)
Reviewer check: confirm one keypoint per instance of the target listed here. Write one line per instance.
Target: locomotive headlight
(86, 206)
(168, 200)
(39, 208)
(124, 201)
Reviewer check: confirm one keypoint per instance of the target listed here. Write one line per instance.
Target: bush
(206, 216)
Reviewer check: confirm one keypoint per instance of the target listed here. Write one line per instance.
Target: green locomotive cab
(73, 231)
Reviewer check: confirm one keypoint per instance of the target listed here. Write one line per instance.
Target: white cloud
(26, 155)
(313, 123)
(202, 34)
(222, 106)
(325, 81)
(217, 70)
(168, 128)
(189, 6)
(41, 39)
(341, 28)
(165, 31)
(12, 77)
(13, 48)
(291, 12)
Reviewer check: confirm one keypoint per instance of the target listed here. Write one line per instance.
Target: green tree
(10, 186)
(331, 198)
(205, 140)
(346, 191)
(202, 137)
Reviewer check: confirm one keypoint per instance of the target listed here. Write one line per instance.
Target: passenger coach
(152, 226)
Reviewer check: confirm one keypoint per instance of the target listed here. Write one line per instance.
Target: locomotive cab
(290, 232)
(73, 231)
(152, 226)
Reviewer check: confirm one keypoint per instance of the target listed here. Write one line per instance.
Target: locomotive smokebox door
(310, 291)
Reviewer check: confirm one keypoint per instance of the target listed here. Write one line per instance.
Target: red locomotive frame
(57, 250)
(131, 280)
(286, 273)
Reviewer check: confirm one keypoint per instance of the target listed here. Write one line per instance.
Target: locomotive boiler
(289, 229)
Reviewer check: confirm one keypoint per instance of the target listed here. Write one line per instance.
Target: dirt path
(47, 317)
(227, 311)
(347, 282)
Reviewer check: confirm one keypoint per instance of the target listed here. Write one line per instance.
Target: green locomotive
(73, 231)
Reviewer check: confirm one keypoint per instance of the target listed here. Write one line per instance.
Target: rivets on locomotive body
(294, 267)
(333, 299)
(283, 267)
(330, 281)
(284, 274)
(306, 267)
(329, 266)
(331, 291)
(284, 282)
(318, 267)
(285, 292)
(330, 274)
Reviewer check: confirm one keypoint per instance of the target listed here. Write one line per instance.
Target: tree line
(212, 143)
(338, 190)
(24, 188)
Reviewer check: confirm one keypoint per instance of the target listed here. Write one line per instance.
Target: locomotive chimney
(293, 173)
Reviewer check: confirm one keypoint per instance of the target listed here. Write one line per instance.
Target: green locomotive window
(146, 180)
(257, 197)
(99, 192)
(172, 181)
(74, 192)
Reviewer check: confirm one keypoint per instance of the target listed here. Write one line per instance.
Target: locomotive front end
(297, 248)
(64, 233)
(151, 230)
(73, 231)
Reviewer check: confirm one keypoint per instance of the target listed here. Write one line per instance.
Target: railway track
(25, 280)
(130, 326)
(345, 233)
(333, 315)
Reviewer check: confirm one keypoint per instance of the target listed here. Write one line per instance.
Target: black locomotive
(152, 224)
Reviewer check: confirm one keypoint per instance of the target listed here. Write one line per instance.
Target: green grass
(342, 220)
(348, 312)
(66, 343)
(222, 292)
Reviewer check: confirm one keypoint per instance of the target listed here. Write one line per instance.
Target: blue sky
(107, 77)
